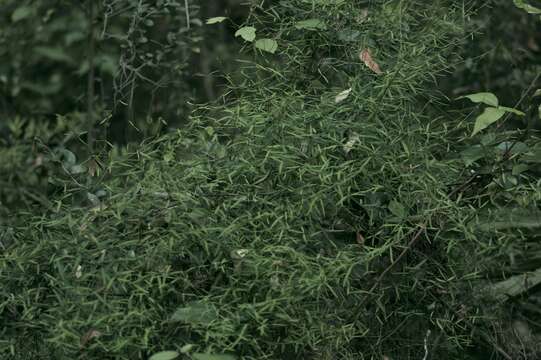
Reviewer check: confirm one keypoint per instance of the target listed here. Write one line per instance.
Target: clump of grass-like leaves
(290, 224)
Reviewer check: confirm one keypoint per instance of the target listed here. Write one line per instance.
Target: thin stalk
(90, 92)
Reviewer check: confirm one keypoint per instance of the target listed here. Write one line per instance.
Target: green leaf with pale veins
(195, 313)
(165, 355)
(482, 97)
(247, 33)
(268, 45)
(488, 117)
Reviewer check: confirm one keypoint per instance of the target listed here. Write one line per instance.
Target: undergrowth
(289, 224)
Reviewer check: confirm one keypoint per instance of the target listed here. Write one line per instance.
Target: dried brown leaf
(366, 57)
(91, 334)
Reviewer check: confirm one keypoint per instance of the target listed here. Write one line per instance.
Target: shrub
(323, 214)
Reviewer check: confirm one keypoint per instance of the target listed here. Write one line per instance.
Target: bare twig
(187, 13)
(412, 242)
(426, 344)
(91, 77)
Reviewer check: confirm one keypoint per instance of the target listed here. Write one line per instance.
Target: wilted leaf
(482, 97)
(91, 334)
(239, 254)
(311, 24)
(342, 96)
(216, 20)
(79, 272)
(364, 15)
(366, 57)
(247, 33)
(268, 45)
(348, 146)
(165, 355)
(488, 117)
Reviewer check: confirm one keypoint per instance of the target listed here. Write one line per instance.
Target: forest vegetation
(260, 179)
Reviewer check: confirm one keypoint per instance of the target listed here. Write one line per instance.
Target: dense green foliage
(335, 206)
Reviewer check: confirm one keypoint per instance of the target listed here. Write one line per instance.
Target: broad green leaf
(247, 33)
(397, 209)
(519, 169)
(514, 286)
(530, 9)
(77, 169)
(186, 349)
(216, 20)
(349, 35)
(488, 117)
(21, 13)
(195, 313)
(311, 24)
(472, 154)
(67, 157)
(165, 355)
(509, 218)
(513, 147)
(511, 110)
(482, 97)
(201, 356)
(268, 45)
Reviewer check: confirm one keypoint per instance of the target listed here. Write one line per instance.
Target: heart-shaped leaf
(267, 45)
(488, 117)
(482, 97)
(247, 33)
(195, 313)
